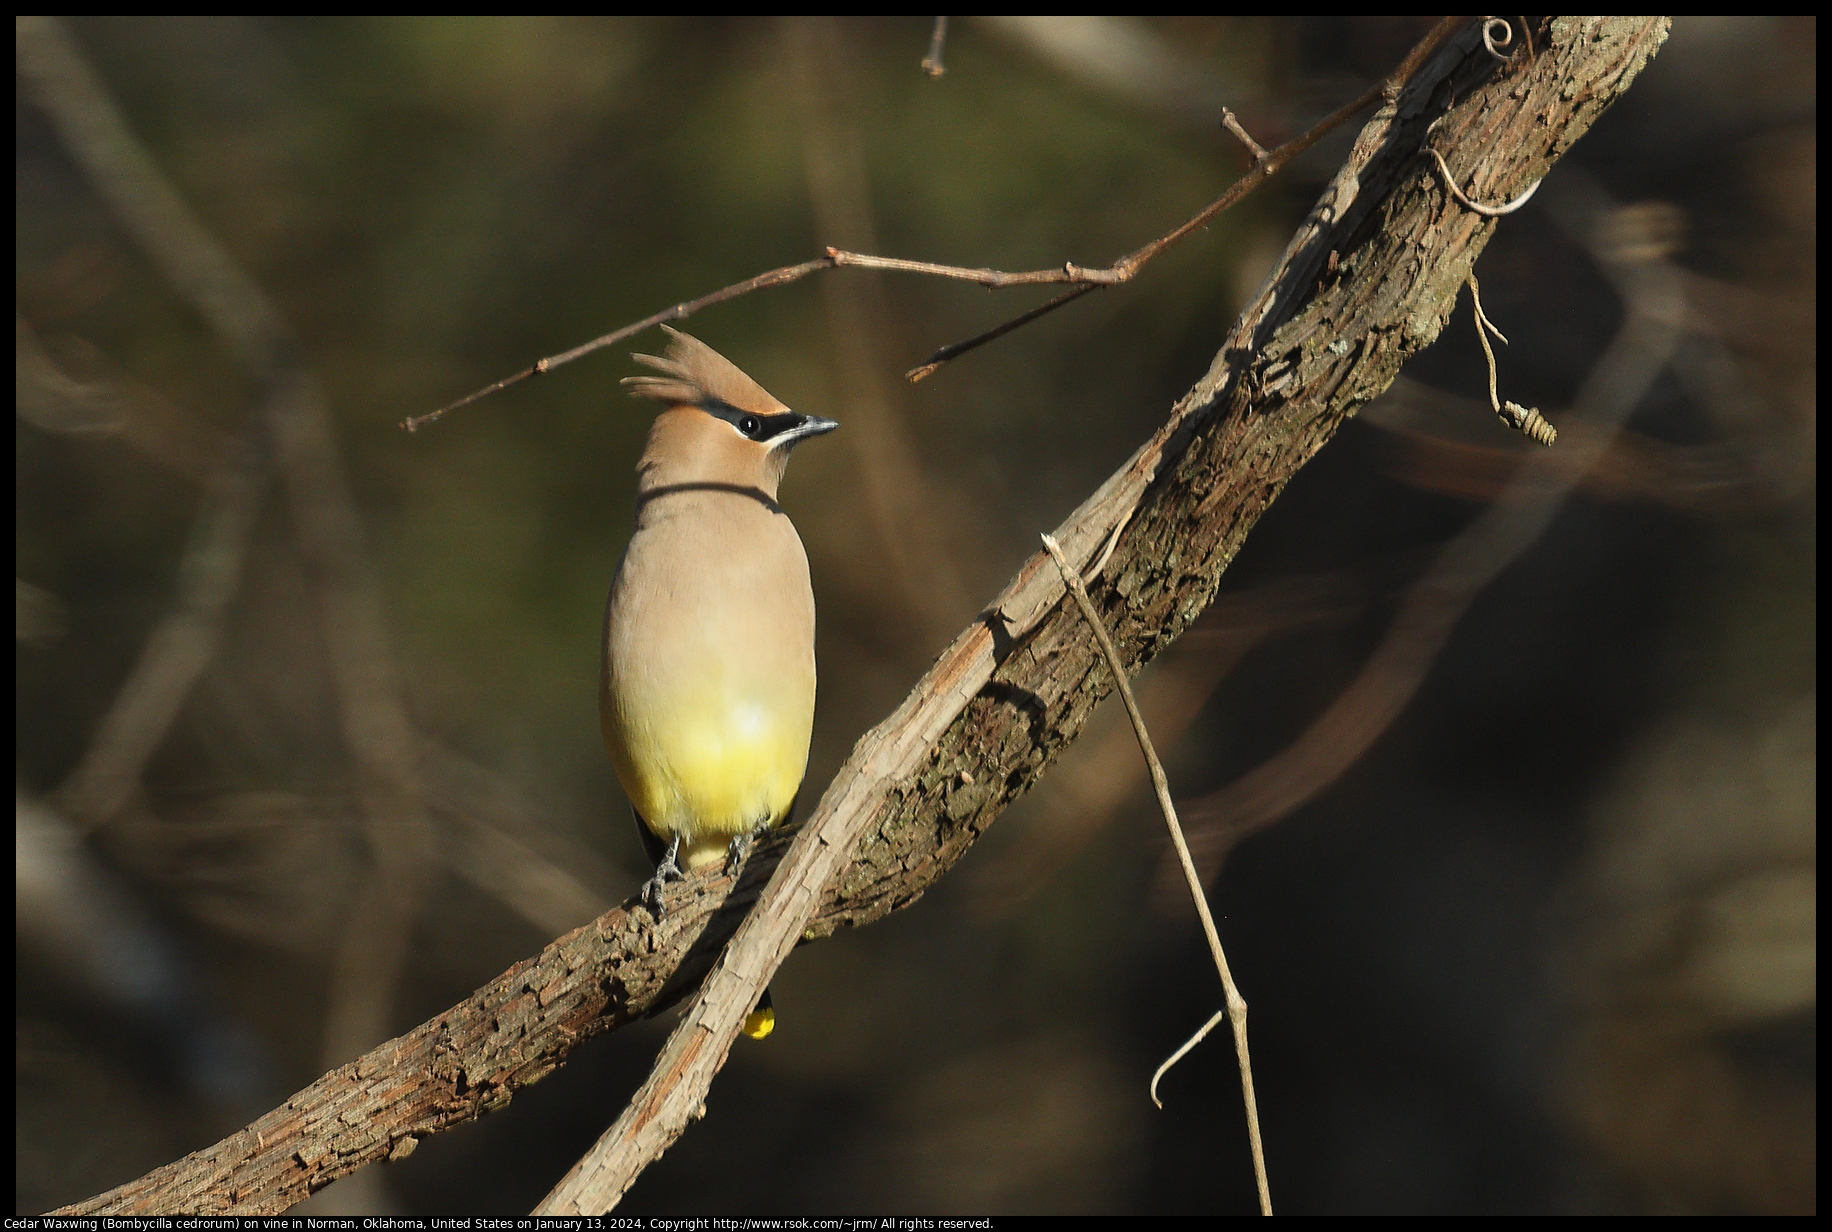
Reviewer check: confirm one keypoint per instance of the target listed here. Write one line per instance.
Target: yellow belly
(708, 768)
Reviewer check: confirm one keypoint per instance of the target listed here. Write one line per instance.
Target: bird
(706, 695)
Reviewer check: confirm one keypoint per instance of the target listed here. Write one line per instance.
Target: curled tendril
(1496, 34)
(1523, 419)
(1526, 420)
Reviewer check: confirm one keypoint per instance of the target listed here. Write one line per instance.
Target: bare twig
(773, 278)
(1237, 1005)
(1233, 125)
(931, 63)
(991, 279)
(1085, 279)
(1262, 170)
(941, 357)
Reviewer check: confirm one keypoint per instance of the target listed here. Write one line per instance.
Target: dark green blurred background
(1546, 948)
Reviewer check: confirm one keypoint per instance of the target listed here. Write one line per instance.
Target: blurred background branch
(291, 424)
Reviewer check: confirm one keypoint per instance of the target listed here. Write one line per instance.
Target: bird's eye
(750, 425)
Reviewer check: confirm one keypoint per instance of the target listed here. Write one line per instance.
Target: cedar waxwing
(707, 693)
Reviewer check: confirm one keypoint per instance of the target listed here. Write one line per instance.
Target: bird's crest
(693, 372)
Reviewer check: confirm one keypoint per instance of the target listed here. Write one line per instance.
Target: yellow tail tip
(760, 1022)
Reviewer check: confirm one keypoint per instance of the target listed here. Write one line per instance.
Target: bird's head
(720, 427)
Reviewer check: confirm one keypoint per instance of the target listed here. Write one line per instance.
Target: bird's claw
(666, 871)
(740, 847)
(736, 850)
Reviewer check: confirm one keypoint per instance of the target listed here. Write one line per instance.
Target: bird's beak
(810, 425)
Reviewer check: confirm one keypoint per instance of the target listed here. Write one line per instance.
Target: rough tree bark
(1368, 281)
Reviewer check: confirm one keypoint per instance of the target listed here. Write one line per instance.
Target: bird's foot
(737, 849)
(740, 847)
(666, 871)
